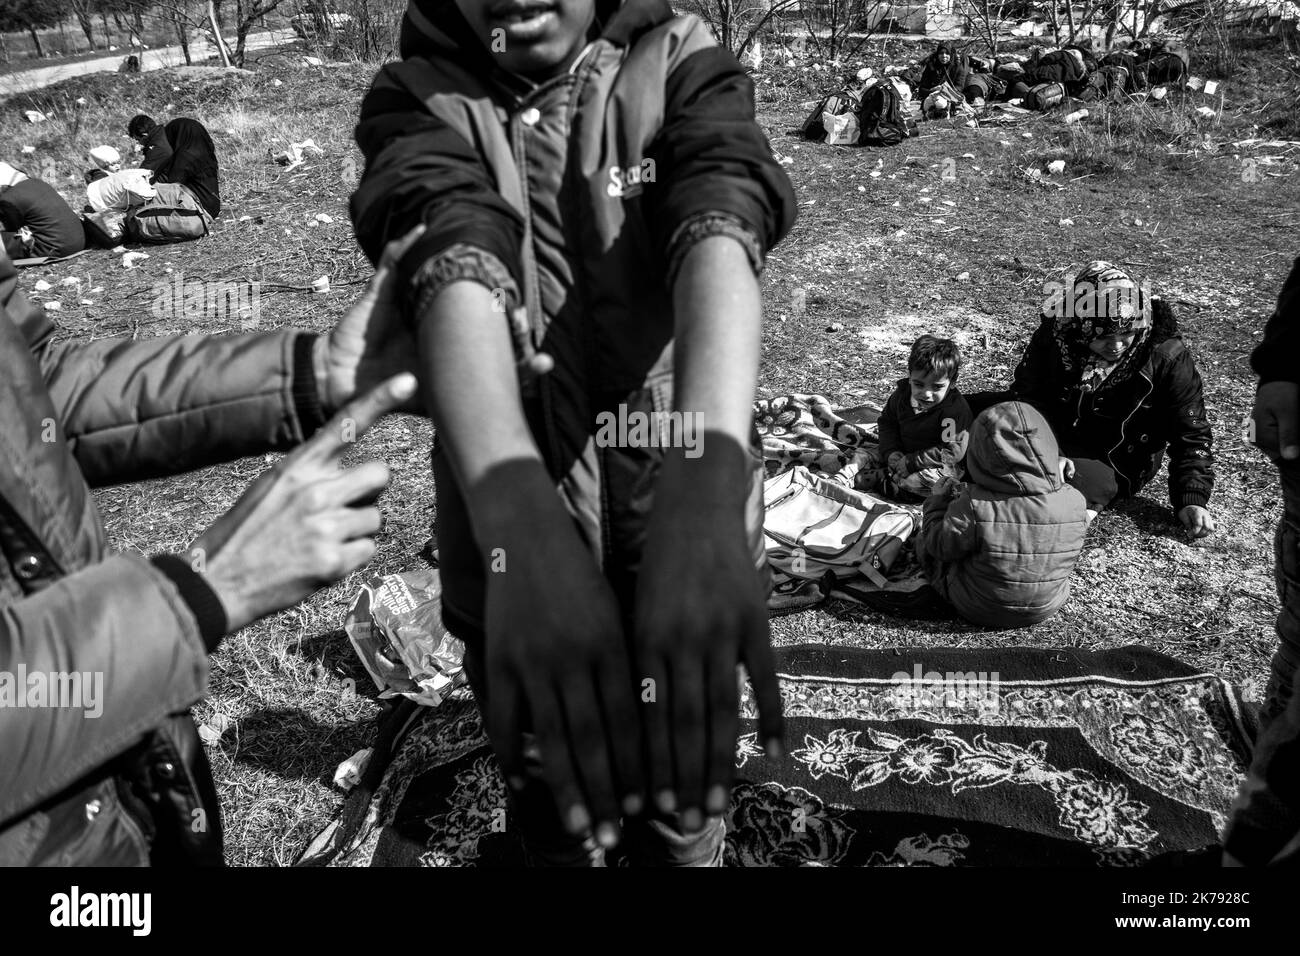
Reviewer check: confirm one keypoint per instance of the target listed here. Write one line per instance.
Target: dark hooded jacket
(1277, 358)
(1129, 424)
(920, 435)
(193, 163)
(56, 230)
(935, 74)
(156, 149)
(1002, 550)
(574, 198)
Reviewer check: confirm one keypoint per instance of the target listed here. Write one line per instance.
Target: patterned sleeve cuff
(462, 261)
(708, 224)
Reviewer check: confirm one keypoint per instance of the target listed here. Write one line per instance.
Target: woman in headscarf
(944, 65)
(193, 163)
(1108, 370)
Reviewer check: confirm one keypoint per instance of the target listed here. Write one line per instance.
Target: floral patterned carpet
(896, 758)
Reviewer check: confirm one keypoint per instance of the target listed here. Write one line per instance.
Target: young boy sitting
(1000, 549)
(584, 201)
(924, 425)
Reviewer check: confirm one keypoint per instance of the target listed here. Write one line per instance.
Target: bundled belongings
(1109, 82)
(1165, 68)
(1136, 75)
(945, 101)
(120, 190)
(173, 215)
(105, 230)
(982, 87)
(1044, 96)
(1059, 66)
(842, 103)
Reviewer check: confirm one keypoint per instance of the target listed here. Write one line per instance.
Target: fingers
(353, 523)
(724, 722)
(556, 759)
(505, 727)
(624, 739)
(355, 418)
(655, 726)
(686, 704)
(761, 665)
(590, 754)
(1288, 431)
(360, 485)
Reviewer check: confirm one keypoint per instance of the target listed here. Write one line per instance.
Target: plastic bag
(841, 129)
(395, 626)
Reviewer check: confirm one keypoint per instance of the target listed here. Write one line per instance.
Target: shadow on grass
(295, 746)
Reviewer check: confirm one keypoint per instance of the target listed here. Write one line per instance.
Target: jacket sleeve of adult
(1191, 455)
(422, 172)
(948, 531)
(124, 628)
(713, 161)
(1277, 358)
(157, 151)
(1036, 378)
(135, 410)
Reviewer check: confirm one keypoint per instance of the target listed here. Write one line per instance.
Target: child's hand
(946, 486)
(1197, 520)
(700, 611)
(898, 465)
(556, 655)
(1066, 469)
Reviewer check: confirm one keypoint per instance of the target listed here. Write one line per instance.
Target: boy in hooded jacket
(1000, 548)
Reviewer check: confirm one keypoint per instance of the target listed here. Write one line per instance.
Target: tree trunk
(217, 38)
(87, 26)
(40, 54)
(185, 40)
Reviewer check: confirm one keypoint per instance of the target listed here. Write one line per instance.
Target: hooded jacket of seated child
(1001, 548)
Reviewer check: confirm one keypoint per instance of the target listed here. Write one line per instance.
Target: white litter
(34, 116)
(53, 306)
(321, 285)
(1056, 167)
(42, 286)
(129, 259)
(1076, 116)
(348, 774)
(324, 218)
(71, 281)
(1066, 223)
(28, 150)
(963, 277)
(313, 61)
(1211, 86)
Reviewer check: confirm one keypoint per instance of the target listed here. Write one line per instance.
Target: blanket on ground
(922, 757)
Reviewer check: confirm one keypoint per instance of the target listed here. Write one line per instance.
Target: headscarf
(1114, 303)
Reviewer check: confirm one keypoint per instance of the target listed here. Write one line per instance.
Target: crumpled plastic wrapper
(395, 625)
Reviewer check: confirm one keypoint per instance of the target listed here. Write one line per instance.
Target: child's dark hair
(933, 354)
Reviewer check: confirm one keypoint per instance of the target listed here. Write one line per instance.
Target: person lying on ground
(944, 65)
(192, 164)
(924, 424)
(155, 148)
(1000, 548)
(1264, 826)
(119, 777)
(1108, 370)
(35, 221)
(603, 635)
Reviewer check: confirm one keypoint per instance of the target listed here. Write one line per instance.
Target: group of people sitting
(949, 79)
(36, 221)
(1011, 479)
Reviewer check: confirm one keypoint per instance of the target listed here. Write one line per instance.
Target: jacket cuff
(306, 397)
(198, 594)
(1191, 496)
(462, 261)
(705, 225)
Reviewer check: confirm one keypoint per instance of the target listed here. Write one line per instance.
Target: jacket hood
(1012, 450)
(437, 28)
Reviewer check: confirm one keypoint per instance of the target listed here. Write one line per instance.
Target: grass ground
(882, 240)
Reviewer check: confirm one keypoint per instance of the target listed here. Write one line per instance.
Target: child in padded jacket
(1001, 548)
(584, 200)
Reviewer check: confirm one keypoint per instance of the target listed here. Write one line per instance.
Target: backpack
(1165, 68)
(174, 215)
(1044, 96)
(836, 104)
(882, 121)
(104, 229)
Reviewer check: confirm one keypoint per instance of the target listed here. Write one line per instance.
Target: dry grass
(878, 259)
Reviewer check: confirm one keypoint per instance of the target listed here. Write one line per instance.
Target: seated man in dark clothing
(192, 164)
(51, 227)
(153, 141)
